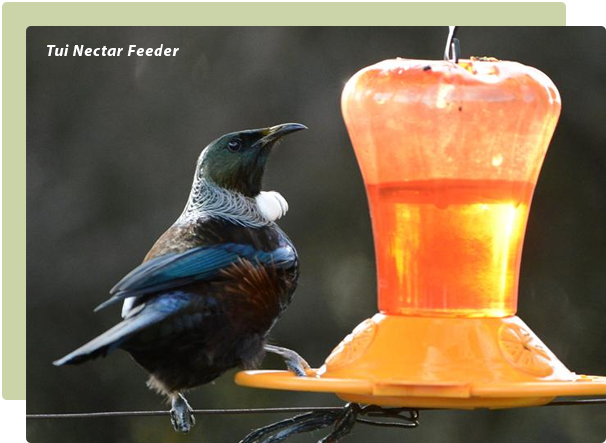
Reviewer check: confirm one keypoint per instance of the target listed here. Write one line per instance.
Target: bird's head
(236, 161)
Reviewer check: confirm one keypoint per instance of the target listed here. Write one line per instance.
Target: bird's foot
(294, 362)
(182, 415)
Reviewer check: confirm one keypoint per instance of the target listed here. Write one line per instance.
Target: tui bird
(212, 286)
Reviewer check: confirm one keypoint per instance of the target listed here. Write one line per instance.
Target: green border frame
(16, 17)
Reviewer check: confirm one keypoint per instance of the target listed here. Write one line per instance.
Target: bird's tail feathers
(111, 339)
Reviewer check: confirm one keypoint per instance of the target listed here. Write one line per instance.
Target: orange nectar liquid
(449, 247)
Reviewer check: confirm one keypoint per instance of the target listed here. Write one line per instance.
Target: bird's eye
(234, 145)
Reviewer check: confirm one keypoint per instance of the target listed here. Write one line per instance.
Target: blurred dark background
(111, 148)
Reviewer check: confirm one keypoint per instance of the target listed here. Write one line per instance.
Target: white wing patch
(272, 205)
(127, 305)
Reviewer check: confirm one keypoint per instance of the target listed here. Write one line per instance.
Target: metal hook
(452, 52)
(342, 420)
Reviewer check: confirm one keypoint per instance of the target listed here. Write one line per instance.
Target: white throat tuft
(272, 205)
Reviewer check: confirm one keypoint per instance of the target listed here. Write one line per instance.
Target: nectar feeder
(450, 152)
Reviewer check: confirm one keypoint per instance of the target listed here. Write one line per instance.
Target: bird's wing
(202, 263)
(157, 311)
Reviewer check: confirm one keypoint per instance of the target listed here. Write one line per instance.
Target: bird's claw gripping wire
(342, 420)
(181, 415)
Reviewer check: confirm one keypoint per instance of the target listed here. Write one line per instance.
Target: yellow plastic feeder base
(430, 362)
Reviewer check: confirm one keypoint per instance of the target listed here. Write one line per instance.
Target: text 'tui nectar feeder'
(450, 152)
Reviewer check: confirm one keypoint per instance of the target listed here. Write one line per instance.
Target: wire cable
(242, 411)
(237, 411)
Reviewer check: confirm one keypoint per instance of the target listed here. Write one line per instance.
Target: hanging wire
(314, 418)
(452, 52)
(196, 411)
(580, 402)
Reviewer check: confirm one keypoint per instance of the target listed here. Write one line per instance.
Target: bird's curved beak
(274, 133)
